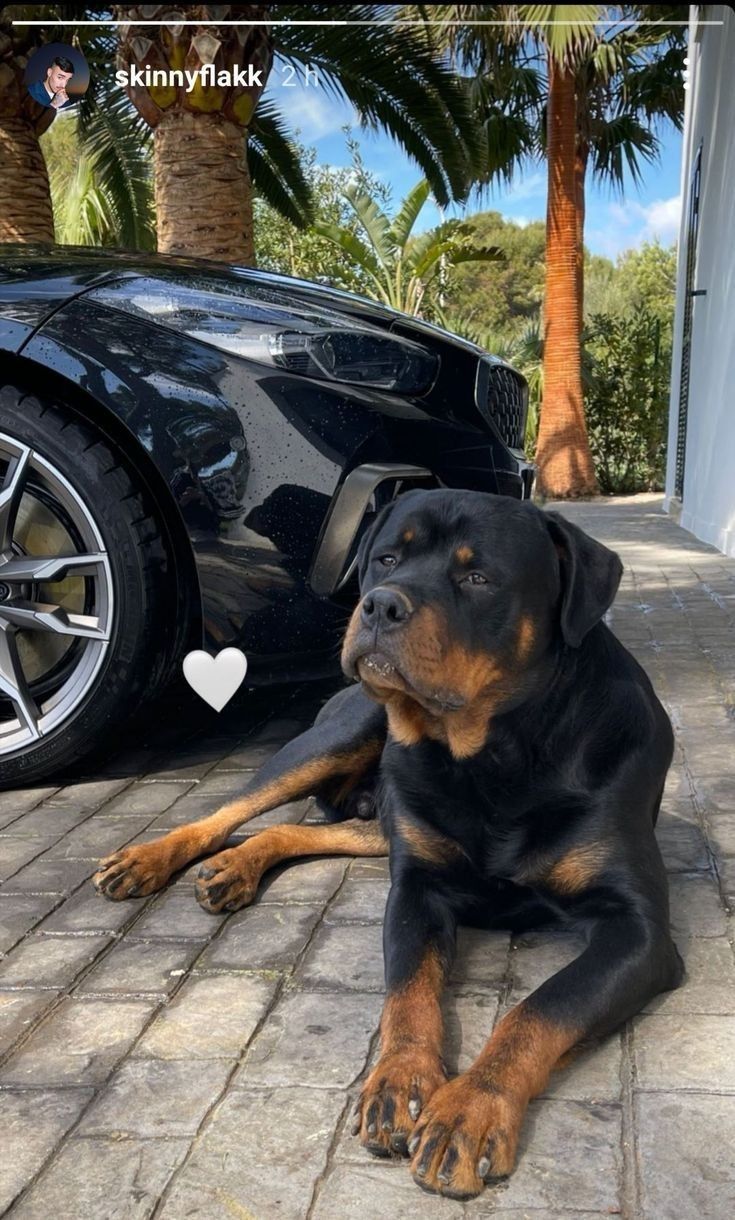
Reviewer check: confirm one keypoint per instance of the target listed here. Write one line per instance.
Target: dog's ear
(369, 536)
(590, 575)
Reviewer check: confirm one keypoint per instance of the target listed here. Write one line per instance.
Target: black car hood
(44, 278)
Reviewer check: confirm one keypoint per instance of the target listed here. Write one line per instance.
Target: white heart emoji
(215, 679)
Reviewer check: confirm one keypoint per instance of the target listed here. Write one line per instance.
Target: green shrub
(627, 399)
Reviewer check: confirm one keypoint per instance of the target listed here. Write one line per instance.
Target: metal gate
(686, 341)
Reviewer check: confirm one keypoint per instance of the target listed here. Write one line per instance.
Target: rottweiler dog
(509, 754)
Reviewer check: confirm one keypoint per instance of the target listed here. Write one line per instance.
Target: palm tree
(399, 267)
(109, 175)
(101, 171)
(579, 97)
(102, 161)
(605, 95)
(25, 199)
(201, 175)
(201, 169)
(391, 76)
(628, 84)
(563, 453)
(557, 34)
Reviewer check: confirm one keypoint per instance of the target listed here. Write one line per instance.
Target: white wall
(708, 502)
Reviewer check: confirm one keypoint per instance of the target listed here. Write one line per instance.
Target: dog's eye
(387, 560)
(475, 578)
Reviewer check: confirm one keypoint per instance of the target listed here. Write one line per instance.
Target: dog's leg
(469, 1130)
(336, 745)
(419, 939)
(229, 880)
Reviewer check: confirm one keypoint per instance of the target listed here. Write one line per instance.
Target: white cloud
(619, 213)
(628, 225)
(314, 115)
(662, 218)
(308, 108)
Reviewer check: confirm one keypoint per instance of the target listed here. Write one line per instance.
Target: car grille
(506, 404)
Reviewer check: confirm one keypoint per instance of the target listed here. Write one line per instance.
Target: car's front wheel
(83, 575)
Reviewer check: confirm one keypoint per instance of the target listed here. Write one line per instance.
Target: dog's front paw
(393, 1097)
(229, 880)
(133, 872)
(468, 1134)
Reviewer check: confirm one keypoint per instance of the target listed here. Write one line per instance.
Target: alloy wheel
(56, 597)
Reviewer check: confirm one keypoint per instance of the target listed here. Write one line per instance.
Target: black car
(188, 456)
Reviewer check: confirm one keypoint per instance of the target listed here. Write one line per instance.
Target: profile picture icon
(57, 75)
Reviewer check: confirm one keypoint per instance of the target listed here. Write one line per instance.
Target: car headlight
(262, 324)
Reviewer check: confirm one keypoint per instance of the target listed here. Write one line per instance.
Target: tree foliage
(627, 401)
(646, 278)
(283, 246)
(500, 297)
(406, 271)
(355, 243)
(100, 177)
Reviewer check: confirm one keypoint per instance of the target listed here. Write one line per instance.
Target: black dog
(515, 754)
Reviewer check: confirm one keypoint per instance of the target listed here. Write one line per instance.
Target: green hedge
(627, 399)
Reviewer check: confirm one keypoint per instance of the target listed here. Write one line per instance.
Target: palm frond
(424, 267)
(568, 30)
(656, 88)
(450, 254)
(82, 215)
(476, 254)
(618, 143)
(508, 102)
(275, 166)
(607, 58)
(117, 143)
(509, 139)
(395, 80)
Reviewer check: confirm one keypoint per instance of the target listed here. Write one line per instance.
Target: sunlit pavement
(160, 1060)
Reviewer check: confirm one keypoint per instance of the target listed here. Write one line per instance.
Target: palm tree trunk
(580, 173)
(202, 188)
(25, 197)
(563, 453)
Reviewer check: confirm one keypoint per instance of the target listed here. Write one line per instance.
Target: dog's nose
(385, 608)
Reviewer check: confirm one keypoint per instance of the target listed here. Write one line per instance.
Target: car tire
(81, 649)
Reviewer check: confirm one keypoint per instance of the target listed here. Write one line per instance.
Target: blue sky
(612, 224)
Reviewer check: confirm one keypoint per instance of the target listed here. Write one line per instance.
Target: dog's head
(463, 595)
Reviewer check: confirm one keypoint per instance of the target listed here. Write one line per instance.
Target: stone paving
(159, 1061)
